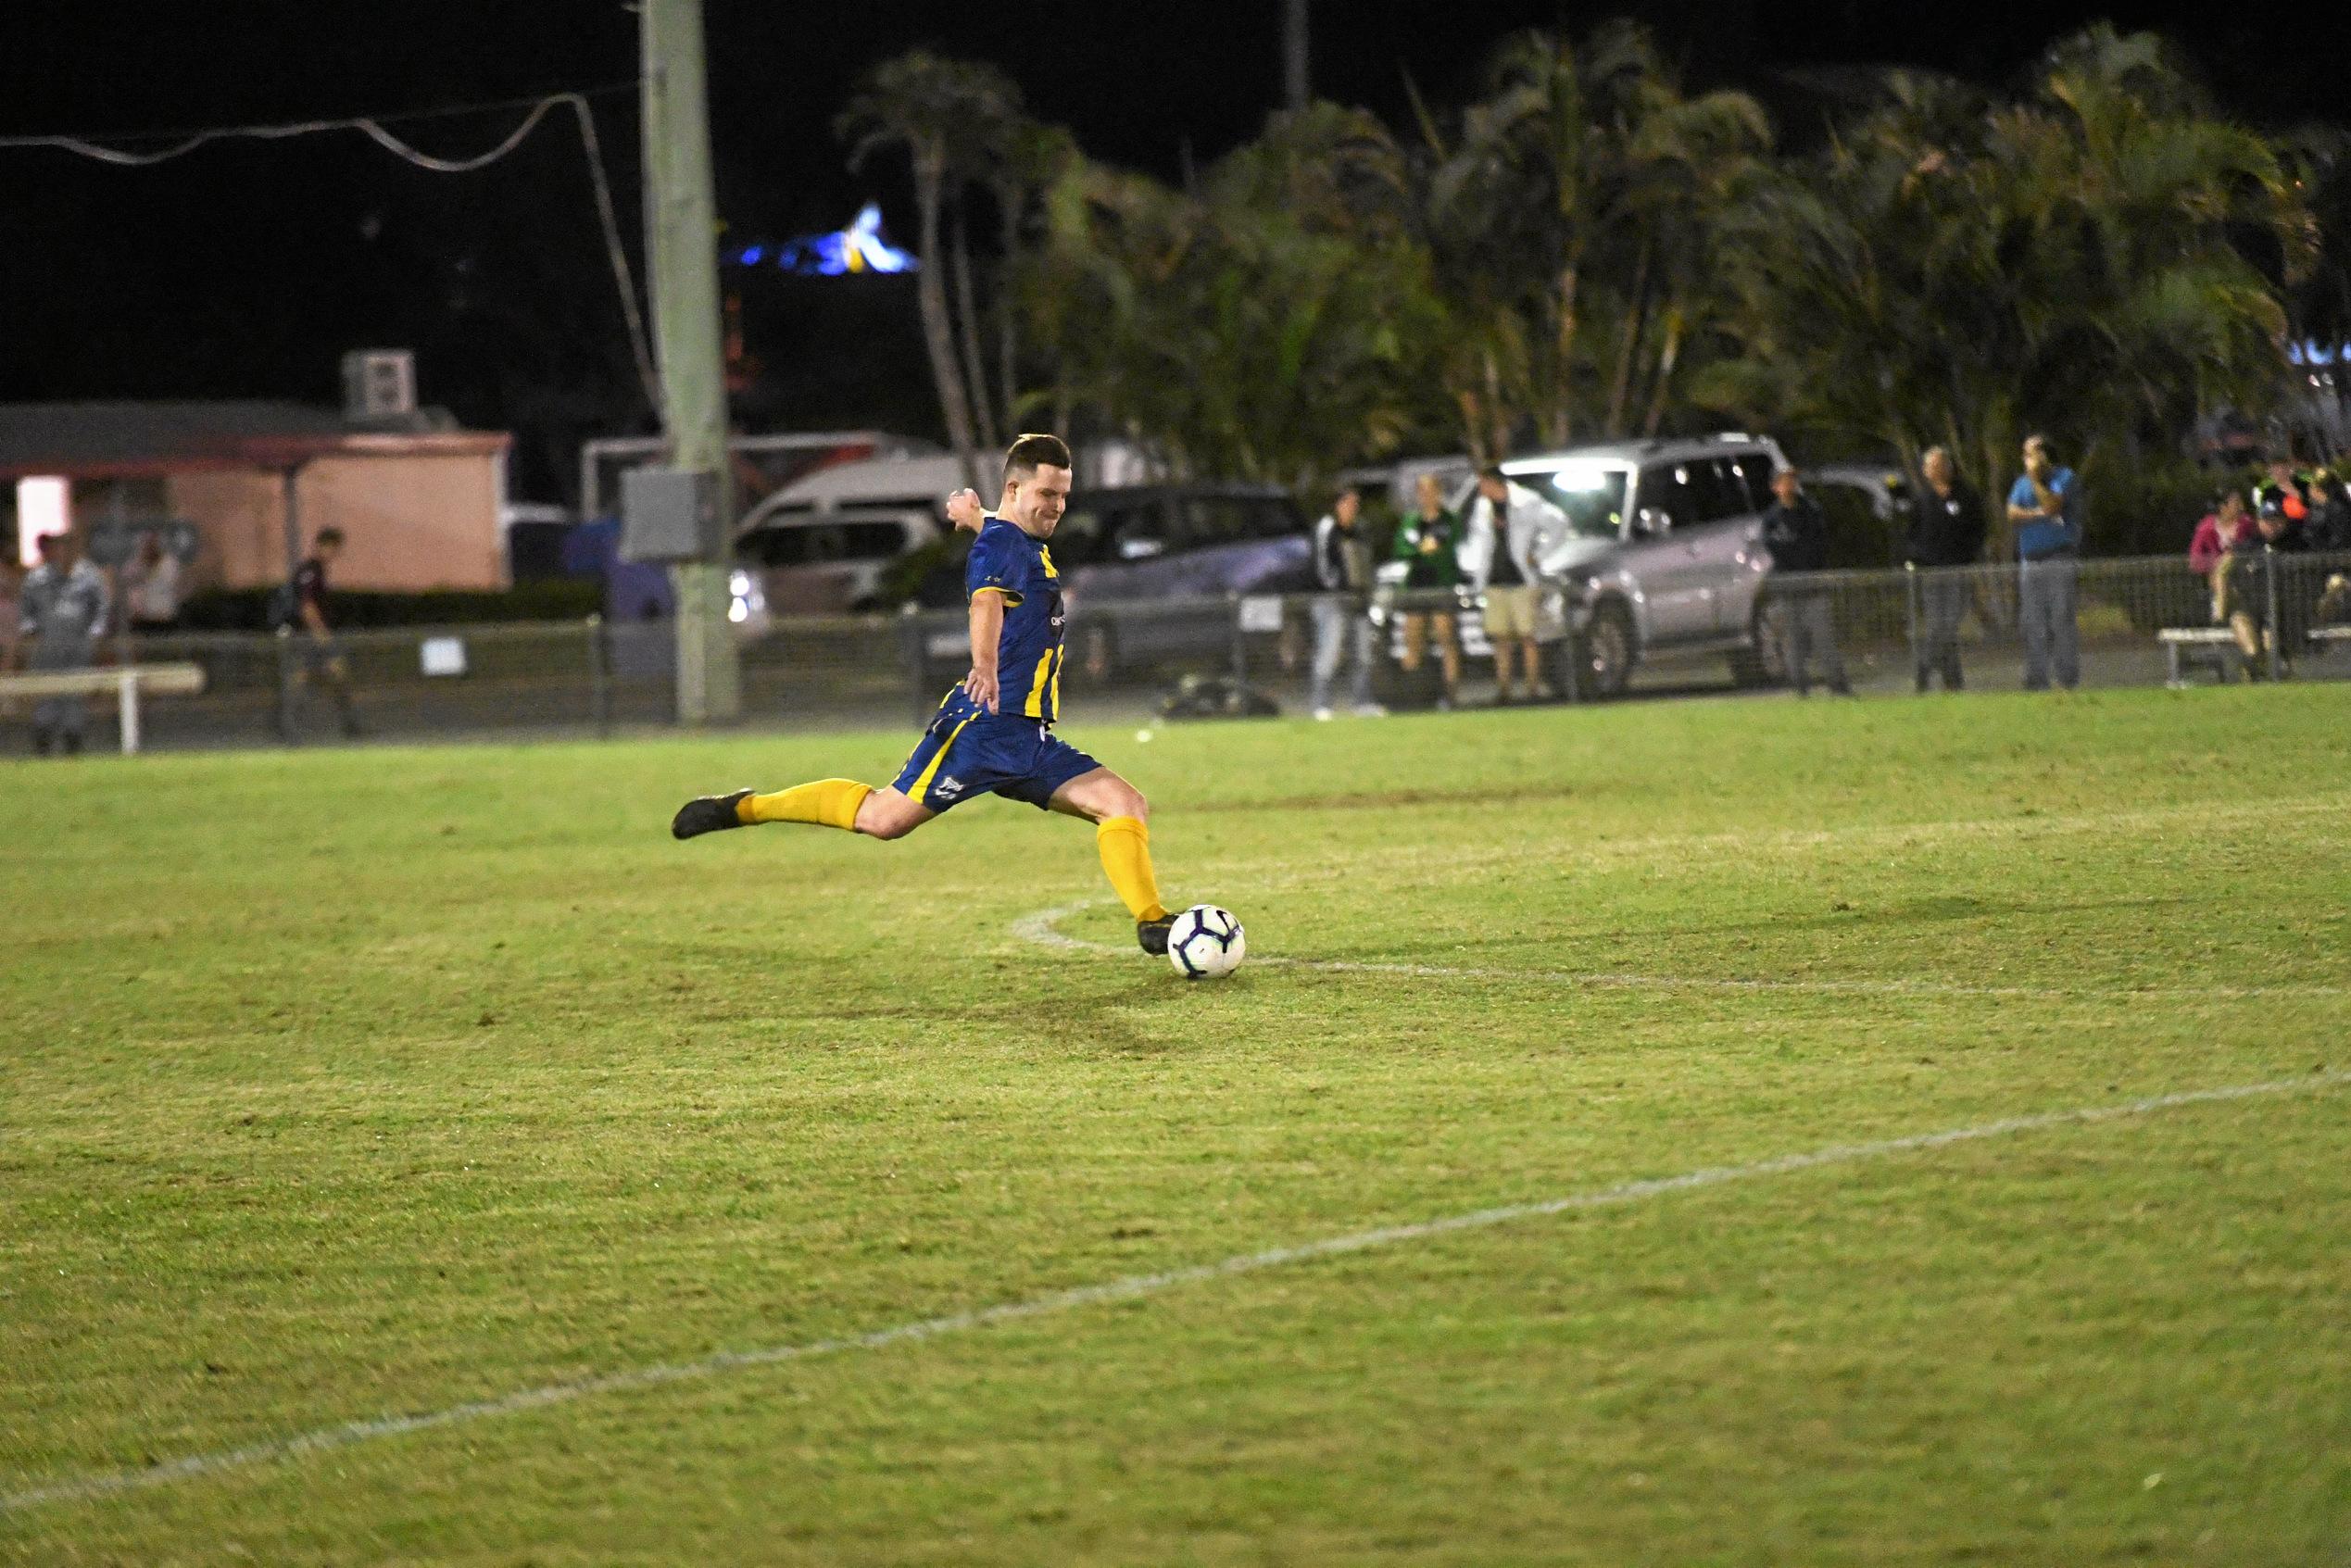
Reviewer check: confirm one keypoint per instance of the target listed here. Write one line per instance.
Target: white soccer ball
(1206, 943)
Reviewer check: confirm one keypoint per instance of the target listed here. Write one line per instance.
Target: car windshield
(1592, 495)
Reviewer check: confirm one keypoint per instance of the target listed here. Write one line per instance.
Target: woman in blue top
(2045, 508)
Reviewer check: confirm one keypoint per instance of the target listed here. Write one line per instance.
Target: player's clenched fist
(964, 510)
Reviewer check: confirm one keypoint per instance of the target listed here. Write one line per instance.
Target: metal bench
(2216, 646)
(126, 681)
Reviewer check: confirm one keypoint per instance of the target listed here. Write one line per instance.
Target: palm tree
(1569, 214)
(941, 112)
(1264, 328)
(2073, 261)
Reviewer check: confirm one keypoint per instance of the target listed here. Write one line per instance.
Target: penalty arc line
(90, 1487)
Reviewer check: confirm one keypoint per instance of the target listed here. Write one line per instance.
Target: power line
(373, 127)
(275, 129)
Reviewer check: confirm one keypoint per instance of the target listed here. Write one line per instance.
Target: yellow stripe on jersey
(1009, 597)
(1035, 708)
(923, 782)
(1061, 657)
(1046, 556)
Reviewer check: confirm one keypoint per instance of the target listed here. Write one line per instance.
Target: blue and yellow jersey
(1028, 660)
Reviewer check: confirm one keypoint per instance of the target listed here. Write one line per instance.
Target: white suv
(1667, 550)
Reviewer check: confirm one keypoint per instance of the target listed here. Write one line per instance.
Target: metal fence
(2138, 622)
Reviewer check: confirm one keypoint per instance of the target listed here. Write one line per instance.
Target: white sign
(443, 656)
(1260, 612)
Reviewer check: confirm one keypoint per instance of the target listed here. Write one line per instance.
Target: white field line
(1043, 929)
(86, 1488)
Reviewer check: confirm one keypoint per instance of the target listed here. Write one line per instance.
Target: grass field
(440, 1083)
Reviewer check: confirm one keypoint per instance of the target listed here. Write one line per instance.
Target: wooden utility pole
(681, 220)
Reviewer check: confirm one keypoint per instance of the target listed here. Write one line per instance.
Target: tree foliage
(1587, 251)
(2079, 261)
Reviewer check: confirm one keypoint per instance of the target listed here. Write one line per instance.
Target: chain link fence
(2139, 621)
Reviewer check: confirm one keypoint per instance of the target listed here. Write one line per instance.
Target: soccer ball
(1206, 943)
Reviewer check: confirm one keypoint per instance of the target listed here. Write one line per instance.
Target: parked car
(1666, 549)
(1868, 506)
(1136, 564)
(831, 563)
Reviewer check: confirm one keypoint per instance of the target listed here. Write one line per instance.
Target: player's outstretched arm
(987, 629)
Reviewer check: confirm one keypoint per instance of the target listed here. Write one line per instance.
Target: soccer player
(994, 732)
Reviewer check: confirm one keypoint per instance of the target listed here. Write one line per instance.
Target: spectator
(2283, 487)
(1343, 573)
(2329, 525)
(1513, 532)
(322, 659)
(63, 608)
(1426, 541)
(11, 617)
(1946, 531)
(2211, 556)
(2046, 504)
(2279, 579)
(1797, 536)
(151, 586)
(11, 587)
(2217, 533)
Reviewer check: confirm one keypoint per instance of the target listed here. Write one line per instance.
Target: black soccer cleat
(1152, 935)
(707, 813)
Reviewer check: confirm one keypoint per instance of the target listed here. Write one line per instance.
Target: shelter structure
(417, 499)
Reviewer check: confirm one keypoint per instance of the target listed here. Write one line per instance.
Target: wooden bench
(126, 681)
(2216, 646)
(2324, 638)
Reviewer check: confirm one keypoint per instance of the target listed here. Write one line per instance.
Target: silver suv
(1666, 552)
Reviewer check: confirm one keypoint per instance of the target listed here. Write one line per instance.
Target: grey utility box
(669, 515)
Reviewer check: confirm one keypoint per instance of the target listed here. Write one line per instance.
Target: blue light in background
(857, 248)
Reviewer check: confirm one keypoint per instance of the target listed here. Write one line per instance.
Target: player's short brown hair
(1030, 453)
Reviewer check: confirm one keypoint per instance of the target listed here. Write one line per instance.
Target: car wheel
(1608, 652)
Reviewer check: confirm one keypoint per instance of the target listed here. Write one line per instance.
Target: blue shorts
(963, 754)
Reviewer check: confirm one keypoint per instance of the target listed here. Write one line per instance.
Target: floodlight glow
(43, 505)
(1580, 476)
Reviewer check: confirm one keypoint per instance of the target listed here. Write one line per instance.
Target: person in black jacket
(1797, 536)
(1947, 529)
(2329, 525)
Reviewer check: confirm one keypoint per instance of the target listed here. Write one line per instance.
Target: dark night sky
(245, 269)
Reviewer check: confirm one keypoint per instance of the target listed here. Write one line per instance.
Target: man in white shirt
(1513, 535)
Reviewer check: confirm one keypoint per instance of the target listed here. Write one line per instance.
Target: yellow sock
(1125, 845)
(829, 803)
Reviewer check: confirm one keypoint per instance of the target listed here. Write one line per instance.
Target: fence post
(1910, 609)
(1241, 652)
(1574, 649)
(285, 684)
(128, 701)
(599, 678)
(2269, 589)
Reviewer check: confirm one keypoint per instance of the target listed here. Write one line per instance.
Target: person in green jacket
(1425, 541)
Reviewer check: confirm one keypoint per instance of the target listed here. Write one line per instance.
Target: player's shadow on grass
(1117, 1014)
